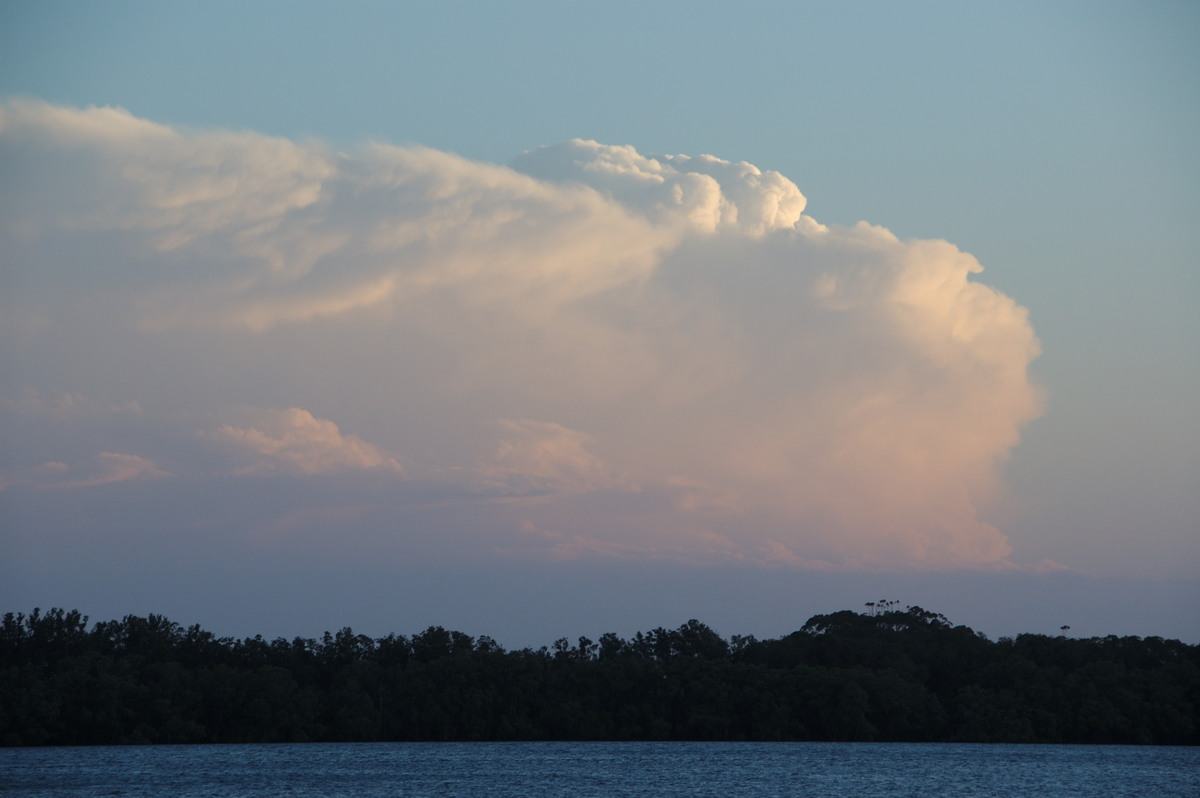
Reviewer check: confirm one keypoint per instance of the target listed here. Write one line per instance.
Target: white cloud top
(709, 193)
(665, 350)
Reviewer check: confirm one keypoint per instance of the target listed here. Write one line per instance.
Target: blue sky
(1055, 144)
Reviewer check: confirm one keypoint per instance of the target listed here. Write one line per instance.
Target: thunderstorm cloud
(591, 352)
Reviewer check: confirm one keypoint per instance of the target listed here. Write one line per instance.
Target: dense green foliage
(889, 675)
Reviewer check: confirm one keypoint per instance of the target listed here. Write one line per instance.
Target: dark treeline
(889, 675)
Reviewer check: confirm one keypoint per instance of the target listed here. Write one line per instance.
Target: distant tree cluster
(886, 675)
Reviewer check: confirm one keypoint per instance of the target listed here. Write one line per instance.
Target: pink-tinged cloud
(295, 441)
(539, 457)
(688, 364)
(106, 468)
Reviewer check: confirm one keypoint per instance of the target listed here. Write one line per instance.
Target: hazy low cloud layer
(594, 352)
(293, 441)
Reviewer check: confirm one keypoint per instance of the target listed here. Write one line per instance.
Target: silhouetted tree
(885, 674)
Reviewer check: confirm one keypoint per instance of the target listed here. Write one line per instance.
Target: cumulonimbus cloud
(677, 348)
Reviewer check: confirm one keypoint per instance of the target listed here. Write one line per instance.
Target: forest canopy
(883, 675)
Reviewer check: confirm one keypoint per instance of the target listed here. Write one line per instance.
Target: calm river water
(661, 770)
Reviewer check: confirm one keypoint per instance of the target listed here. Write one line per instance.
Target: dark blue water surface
(661, 770)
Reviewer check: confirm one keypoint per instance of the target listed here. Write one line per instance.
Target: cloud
(60, 405)
(711, 194)
(125, 173)
(106, 468)
(295, 441)
(664, 350)
(543, 457)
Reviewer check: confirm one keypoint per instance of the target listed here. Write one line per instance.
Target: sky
(549, 319)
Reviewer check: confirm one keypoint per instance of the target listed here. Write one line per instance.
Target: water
(582, 770)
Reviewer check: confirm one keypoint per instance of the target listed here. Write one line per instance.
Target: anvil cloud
(590, 353)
